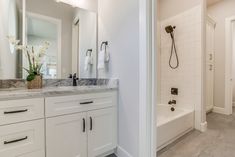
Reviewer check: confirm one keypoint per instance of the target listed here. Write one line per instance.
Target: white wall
(8, 27)
(158, 53)
(171, 8)
(188, 42)
(219, 12)
(188, 78)
(233, 60)
(119, 24)
(91, 5)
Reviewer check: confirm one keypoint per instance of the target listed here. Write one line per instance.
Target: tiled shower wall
(187, 78)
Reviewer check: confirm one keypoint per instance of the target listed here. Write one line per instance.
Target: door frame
(147, 78)
(228, 64)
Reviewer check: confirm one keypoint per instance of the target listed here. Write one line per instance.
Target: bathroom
(81, 78)
(195, 78)
(60, 69)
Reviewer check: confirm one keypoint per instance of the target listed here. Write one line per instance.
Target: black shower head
(170, 29)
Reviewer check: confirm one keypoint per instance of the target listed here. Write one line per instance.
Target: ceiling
(211, 2)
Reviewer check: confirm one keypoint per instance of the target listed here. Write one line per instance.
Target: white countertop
(7, 94)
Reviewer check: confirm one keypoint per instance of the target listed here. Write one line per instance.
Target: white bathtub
(172, 125)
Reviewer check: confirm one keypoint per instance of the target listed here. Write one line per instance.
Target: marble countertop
(8, 94)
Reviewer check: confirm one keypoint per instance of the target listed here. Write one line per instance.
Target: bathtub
(172, 125)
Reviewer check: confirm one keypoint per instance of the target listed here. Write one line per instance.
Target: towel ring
(105, 44)
(88, 52)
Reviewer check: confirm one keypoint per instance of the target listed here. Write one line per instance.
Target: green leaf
(30, 77)
(30, 63)
(27, 70)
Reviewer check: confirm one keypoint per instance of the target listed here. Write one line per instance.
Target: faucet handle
(173, 101)
(75, 75)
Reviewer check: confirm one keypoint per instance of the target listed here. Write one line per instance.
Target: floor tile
(218, 141)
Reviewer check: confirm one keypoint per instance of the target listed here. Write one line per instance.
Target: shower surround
(188, 77)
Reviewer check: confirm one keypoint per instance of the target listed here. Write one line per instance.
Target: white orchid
(34, 59)
(13, 40)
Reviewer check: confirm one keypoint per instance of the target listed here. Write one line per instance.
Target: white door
(102, 132)
(66, 136)
(210, 30)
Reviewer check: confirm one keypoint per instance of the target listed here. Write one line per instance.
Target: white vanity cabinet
(22, 128)
(81, 125)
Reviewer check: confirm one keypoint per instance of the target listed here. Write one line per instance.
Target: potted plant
(35, 61)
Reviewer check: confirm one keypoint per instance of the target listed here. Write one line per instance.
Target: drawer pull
(17, 140)
(84, 125)
(91, 125)
(13, 112)
(88, 102)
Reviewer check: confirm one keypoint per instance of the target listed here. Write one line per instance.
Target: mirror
(70, 31)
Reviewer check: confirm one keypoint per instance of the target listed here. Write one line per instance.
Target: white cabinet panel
(18, 140)
(102, 131)
(13, 111)
(56, 106)
(33, 154)
(66, 136)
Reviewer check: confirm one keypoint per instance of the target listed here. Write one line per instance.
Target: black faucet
(75, 79)
(172, 102)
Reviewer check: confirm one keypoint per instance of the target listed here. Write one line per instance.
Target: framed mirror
(70, 31)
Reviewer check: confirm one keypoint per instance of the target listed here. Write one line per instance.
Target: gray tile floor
(218, 141)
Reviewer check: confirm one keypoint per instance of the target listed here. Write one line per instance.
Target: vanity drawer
(22, 139)
(20, 110)
(55, 106)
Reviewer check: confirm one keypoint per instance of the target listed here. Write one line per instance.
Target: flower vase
(36, 83)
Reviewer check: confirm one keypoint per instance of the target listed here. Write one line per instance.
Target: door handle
(17, 111)
(17, 140)
(84, 125)
(91, 123)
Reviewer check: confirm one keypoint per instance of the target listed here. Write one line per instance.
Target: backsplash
(20, 83)
(187, 78)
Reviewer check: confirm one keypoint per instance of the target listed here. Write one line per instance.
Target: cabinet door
(22, 139)
(102, 131)
(66, 136)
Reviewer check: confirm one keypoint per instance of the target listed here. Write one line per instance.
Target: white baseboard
(203, 127)
(122, 152)
(219, 110)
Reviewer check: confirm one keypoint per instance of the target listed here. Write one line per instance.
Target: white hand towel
(87, 62)
(101, 59)
(107, 56)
